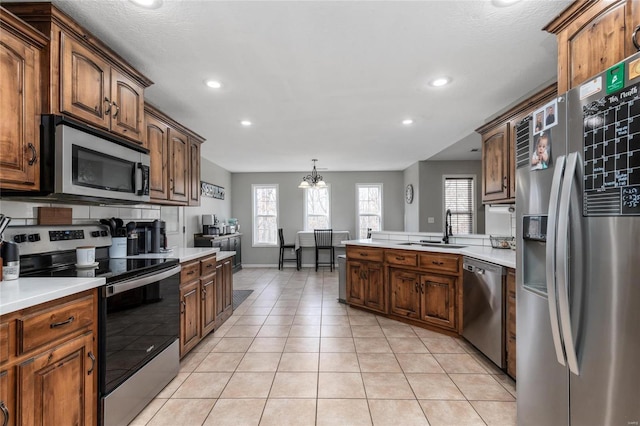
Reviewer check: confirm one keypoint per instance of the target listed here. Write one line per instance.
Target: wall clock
(408, 194)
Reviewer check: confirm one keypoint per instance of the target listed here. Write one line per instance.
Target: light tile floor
(292, 355)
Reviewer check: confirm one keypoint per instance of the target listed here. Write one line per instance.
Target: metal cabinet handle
(34, 154)
(399, 257)
(364, 254)
(115, 114)
(5, 413)
(634, 39)
(60, 324)
(108, 109)
(191, 272)
(437, 263)
(504, 182)
(93, 363)
(422, 288)
(417, 286)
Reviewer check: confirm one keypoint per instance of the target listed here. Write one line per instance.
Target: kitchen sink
(434, 244)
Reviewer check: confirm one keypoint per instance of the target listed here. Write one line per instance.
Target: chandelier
(312, 180)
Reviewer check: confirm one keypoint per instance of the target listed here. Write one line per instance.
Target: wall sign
(212, 191)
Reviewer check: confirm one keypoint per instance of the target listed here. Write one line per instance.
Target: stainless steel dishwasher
(483, 315)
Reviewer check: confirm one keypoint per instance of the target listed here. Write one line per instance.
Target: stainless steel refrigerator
(578, 256)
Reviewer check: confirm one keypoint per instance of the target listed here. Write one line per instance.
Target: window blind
(458, 197)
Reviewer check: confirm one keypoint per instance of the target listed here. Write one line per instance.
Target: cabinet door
(208, 304)
(405, 293)
(510, 337)
(495, 150)
(19, 105)
(219, 301)
(189, 316)
(227, 271)
(157, 142)
(194, 176)
(179, 166)
(127, 107)
(355, 283)
(7, 397)
(438, 300)
(375, 294)
(85, 89)
(58, 387)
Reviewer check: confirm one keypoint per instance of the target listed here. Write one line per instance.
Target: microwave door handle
(144, 179)
(562, 255)
(551, 258)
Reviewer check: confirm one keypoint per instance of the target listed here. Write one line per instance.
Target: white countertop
(26, 292)
(183, 254)
(498, 256)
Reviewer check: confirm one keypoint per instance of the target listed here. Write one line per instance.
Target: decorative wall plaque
(212, 191)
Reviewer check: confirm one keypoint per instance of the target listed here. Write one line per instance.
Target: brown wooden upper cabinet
(174, 175)
(498, 148)
(20, 55)
(593, 36)
(82, 77)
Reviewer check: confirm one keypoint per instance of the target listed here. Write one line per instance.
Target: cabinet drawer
(440, 262)
(46, 326)
(189, 272)
(364, 253)
(208, 265)
(403, 258)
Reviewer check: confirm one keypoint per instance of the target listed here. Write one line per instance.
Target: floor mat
(239, 296)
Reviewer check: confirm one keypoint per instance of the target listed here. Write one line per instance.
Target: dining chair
(324, 241)
(284, 247)
(368, 232)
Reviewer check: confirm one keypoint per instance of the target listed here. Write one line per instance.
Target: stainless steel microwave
(81, 163)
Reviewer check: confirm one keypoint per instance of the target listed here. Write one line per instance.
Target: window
(369, 208)
(265, 215)
(459, 198)
(317, 213)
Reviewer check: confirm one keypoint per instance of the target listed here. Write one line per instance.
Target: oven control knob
(34, 237)
(95, 233)
(103, 233)
(20, 238)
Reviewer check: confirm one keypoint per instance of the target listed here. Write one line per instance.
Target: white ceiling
(331, 80)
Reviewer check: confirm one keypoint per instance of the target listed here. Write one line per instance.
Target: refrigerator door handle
(562, 255)
(551, 258)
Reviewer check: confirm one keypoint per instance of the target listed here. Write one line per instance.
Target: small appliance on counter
(152, 237)
(210, 224)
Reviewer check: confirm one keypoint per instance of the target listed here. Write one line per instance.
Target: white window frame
(304, 208)
(358, 214)
(254, 216)
(474, 213)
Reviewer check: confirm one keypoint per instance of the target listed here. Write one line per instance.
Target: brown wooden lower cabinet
(55, 387)
(206, 299)
(421, 287)
(54, 382)
(366, 285)
(510, 329)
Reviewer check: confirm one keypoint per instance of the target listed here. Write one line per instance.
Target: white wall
(412, 211)
(214, 174)
(343, 206)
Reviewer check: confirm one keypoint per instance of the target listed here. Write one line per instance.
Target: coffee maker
(210, 225)
(152, 237)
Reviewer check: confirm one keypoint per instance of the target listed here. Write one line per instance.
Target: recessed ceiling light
(246, 123)
(407, 121)
(504, 3)
(441, 81)
(213, 84)
(148, 4)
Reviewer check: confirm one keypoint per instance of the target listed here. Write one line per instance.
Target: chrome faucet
(447, 227)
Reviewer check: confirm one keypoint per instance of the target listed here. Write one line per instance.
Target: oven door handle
(127, 285)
